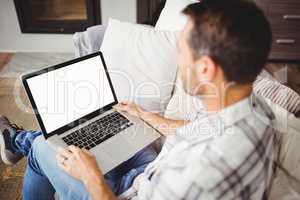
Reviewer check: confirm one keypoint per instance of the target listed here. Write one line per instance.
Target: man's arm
(81, 164)
(163, 125)
(98, 188)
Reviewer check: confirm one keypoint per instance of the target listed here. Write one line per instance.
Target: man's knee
(41, 149)
(38, 144)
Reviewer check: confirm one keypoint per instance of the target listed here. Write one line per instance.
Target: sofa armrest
(89, 41)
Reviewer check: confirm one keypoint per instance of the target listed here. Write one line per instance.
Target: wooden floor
(11, 96)
(11, 177)
(13, 105)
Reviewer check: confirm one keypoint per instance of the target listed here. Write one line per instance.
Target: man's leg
(121, 178)
(43, 176)
(15, 142)
(44, 173)
(24, 140)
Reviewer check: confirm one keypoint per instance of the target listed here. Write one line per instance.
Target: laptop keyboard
(98, 131)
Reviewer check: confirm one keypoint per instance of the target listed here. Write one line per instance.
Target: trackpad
(118, 147)
(113, 152)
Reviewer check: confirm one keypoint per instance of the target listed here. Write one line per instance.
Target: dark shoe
(7, 133)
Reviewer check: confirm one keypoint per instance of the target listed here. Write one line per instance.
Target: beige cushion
(171, 17)
(182, 105)
(289, 127)
(141, 62)
(284, 187)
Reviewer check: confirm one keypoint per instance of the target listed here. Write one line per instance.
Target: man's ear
(206, 69)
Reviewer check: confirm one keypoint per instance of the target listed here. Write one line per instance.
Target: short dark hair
(234, 33)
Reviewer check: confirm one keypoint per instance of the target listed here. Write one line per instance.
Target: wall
(119, 9)
(12, 40)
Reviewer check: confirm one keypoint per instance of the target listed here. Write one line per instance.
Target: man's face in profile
(186, 62)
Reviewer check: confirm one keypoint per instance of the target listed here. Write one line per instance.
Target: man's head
(223, 42)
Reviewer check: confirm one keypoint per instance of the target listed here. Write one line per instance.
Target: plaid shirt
(225, 155)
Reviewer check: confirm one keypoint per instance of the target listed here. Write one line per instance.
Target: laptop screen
(71, 92)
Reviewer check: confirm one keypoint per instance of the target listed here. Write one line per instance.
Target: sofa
(175, 103)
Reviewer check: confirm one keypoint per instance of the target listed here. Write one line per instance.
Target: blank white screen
(69, 93)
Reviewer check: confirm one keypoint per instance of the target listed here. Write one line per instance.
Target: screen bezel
(78, 121)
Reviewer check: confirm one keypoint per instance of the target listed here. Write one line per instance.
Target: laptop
(74, 105)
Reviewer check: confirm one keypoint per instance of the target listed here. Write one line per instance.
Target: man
(226, 152)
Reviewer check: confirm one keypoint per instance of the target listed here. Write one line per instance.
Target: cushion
(171, 17)
(89, 41)
(289, 127)
(286, 182)
(284, 187)
(278, 93)
(182, 105)
(142, 63)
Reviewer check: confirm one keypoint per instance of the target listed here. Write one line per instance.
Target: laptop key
(98, 142)
(93, 145)
(98, 131)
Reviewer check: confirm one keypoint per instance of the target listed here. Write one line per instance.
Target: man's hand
(130, 108)
(79, 163)
(164, 125)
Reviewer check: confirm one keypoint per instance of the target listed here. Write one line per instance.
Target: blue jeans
(43, 177)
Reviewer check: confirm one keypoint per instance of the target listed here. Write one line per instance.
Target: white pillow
(171, 17)
(289, 127)
(183, 105)
(142, 63)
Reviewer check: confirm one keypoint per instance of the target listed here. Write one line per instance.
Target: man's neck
(226, 97)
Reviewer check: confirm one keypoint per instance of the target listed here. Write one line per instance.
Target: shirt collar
(236, 111)
(252, 105)
(209, 124)
(215, 123)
